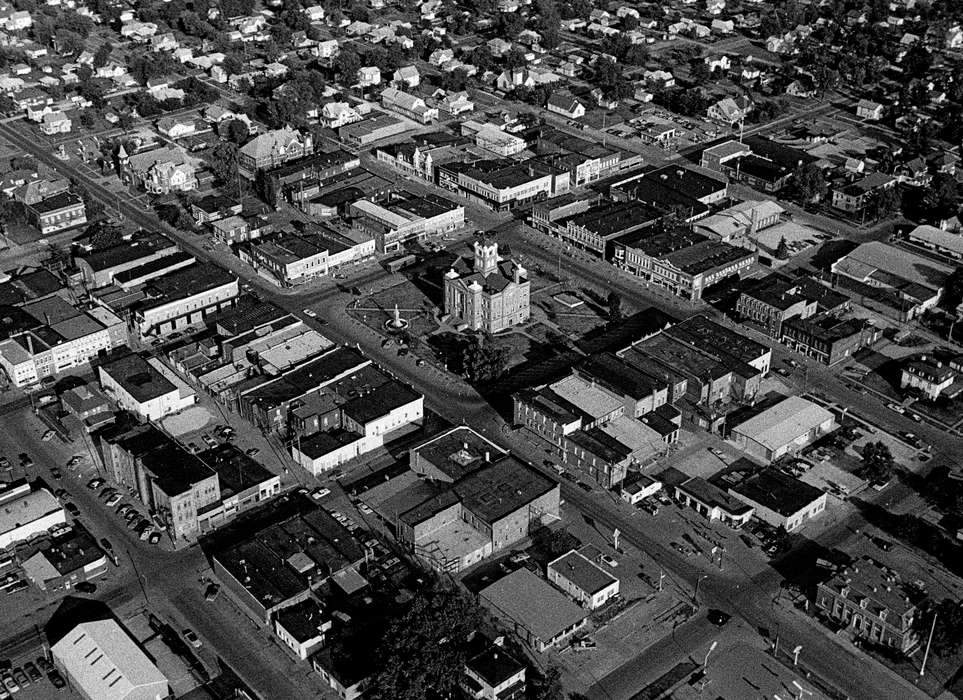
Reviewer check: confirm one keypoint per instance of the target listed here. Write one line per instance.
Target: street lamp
(705, 663)
(695, 593)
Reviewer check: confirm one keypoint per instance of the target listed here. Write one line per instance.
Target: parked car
(191, 637)
(56, 473)
(72, 509)
(20, 677)
(365, 509)
(94, 484)
(113, 500)
(252, 451)
(895, 407)
(106, 545)
(86, 587)
(318, 494)
(718, 617)
(44, 663)
(310, 313)
(608, 560)
(585, 487)
(48, 436)
(53, 675)
(155, 537)
(9, 683)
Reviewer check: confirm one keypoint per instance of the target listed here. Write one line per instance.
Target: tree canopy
(878, 465)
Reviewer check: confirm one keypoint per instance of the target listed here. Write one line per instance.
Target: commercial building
(583, 580)
(301, 627)
(674, 187)
(828, 338)
(101, 661)
(419, 157)
(273, 182)
(680, 260)
(283, 562)
(288, 259)
(26, 511)
(946, 243)
(779, 499)
(395, 220)
(377, 127)
(53, 337)
(871, 602)
(493, 138)
(587, 161)
(771, 301)
(591, 230)
(182, 298)
(191, 494)
(62, 211)
(487, 292)
(891, 279)
(503, 185)
(712, 502)
(144, 386)
(783, 429)
(637, 487)
(70, 557)
(535, 610)
(99, 265)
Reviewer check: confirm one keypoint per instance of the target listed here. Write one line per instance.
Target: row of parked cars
(136, 522)
(15, 679)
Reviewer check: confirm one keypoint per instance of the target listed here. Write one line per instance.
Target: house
(508, 80)
(488, 292)
(160, 171)
(58, 212)
(494, 674)
(927, 375)
(729, 111)
(408, 105)
(455, 103)
(583, 580)
(334, 115)
(163, 42)
(176, 127)
(535, 610)
(407, 77)
(565, 103)
(369, 75)
(55, 123)
(869, 110)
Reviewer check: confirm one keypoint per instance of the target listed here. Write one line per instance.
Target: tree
(810, 182)
(546, 685)
(515, 58)
(512, 24)
(236, 131)
(878, 465)
(423, 651)
(102, 55)
(953, 291)
(948, 633)
(942, 196)
(608, 78)
(782, 250)
(223, 163)
(482, 360)
(615, 307)
(346, 65)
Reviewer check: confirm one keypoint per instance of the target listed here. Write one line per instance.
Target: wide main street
(751, 600)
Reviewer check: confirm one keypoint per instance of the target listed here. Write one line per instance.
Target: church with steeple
(487, 291)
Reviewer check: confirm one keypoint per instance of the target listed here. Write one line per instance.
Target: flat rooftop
(587, 396)
(379, 402)
(777, 491)
(457, 452)
(138, 378)
(533, 603)
(788, 420)
(236, 472)
(501, 488)
(586, 575)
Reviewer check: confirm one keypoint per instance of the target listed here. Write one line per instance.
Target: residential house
(565, 103)
(869, 110)
(160, 171)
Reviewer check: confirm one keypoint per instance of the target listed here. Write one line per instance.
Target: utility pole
(926, 654)
(661, 578)
(705, 662)
(695, 593)
(795, 655)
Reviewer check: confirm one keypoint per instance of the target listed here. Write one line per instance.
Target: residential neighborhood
(518, 350)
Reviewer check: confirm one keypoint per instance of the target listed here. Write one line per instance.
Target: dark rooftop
(236, 472)
(501, 488)
(379, 402)
(137, 377)
(777, 491)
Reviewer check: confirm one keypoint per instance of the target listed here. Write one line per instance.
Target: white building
(144, 387)
(640, 488)
(783, 429)
(25, 512)
(101, 662)
(70, 340)
(583, 580)
(780, 499)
